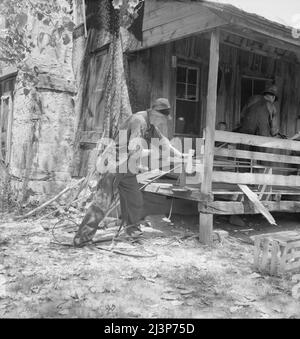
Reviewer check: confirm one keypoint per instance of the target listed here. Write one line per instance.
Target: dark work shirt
(260, 119)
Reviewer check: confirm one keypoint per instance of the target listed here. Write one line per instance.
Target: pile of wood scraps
(76, 186)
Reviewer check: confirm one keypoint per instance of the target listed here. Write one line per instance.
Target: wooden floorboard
(220, 195)
(232, 207)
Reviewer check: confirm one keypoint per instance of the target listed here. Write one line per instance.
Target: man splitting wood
(143, 125)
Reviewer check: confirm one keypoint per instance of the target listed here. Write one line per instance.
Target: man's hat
(161, 104)
(273, 90)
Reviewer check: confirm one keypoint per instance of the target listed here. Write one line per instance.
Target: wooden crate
(277, 253)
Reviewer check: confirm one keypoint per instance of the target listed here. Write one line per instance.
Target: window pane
(181, 74)
(192, 92)
(180, 91)
(192, 76)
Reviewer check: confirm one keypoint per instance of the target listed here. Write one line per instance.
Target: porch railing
(256, 160)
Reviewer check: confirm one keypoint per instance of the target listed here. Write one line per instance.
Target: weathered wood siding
(150, 77)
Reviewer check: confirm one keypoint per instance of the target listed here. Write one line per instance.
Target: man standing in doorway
(259, 116)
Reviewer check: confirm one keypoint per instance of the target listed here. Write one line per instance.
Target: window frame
(181, 64)
(190, 65)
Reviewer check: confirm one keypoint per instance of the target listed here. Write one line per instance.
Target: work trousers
(131, 202)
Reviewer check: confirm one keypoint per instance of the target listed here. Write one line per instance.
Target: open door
(92, 113)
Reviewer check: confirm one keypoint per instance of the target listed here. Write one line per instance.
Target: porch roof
(166, 21)
(275, 11)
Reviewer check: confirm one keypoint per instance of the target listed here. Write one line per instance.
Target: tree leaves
(47, 22)
(66, 39)
(40, 16)
(70, 26)
(16, 41)
(21, 19)
(26, 91)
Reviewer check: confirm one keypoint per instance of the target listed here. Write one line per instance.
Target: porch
(271, 178)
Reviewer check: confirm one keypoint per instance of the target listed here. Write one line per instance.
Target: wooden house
(209, 59)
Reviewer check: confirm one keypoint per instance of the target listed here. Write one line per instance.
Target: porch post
(206, 220)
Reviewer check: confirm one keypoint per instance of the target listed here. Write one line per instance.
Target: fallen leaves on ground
(185, 279)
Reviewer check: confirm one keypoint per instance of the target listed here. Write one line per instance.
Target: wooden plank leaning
(257, 203)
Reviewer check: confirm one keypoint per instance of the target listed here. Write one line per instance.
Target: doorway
(252, 86)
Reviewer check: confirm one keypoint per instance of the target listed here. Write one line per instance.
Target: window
(187, 120)
(186, 83)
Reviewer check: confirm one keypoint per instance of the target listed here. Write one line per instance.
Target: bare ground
(39, 278)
